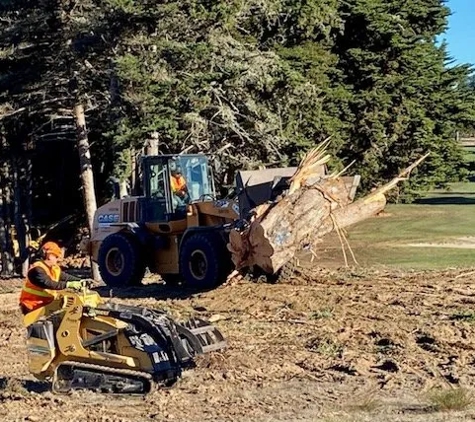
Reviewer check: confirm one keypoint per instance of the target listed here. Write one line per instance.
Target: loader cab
(171, 182)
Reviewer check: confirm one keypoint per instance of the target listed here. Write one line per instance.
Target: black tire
(120, 261)
(203, 260)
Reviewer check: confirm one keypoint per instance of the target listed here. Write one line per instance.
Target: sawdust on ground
(328, 346)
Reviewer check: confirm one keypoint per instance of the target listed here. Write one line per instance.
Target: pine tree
(404, 101)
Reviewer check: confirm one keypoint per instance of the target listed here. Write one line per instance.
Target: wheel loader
(81, 342)
(182, 238)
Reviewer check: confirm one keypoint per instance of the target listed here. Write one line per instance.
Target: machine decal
(107, 219)
(221, 204)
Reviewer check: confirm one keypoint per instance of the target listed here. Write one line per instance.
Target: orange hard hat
(52, 248)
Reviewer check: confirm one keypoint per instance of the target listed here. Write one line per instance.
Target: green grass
(469, 155)
(441, 216)
(418, 223)
(384, 240)
(454, 399)
(455, 188)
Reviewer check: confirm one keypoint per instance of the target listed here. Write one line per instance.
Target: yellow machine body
(81, 341)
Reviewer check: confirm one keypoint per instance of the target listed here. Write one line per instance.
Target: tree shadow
(446, 200)
(32, 386)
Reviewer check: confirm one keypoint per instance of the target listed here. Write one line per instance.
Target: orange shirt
(178, 183)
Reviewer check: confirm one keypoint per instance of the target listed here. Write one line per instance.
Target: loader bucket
(256, 187)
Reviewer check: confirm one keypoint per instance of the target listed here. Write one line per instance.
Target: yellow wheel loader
(179, 234)
(81, 342)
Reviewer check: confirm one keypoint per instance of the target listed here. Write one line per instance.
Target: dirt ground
(333, 345)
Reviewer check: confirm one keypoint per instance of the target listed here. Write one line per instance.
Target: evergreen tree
(404, 100)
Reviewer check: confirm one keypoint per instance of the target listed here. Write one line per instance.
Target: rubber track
(106, 369)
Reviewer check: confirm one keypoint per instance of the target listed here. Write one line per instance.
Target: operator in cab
(46, 275)
(178, 185)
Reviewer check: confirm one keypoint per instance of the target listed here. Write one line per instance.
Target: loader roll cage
(162, 203)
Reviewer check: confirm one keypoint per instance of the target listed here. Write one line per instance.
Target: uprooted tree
(313, 206)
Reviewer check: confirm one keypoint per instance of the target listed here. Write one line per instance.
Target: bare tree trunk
(6, 244)
(133, 172)
(151, 146)
(87, 175)
(123, 189)
(19, 219)
(28, 212)
(274, 238)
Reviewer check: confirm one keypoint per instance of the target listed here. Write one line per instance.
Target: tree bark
(87, 175)
(274, 237)
(6, 243)
(151, 146)
(28, 212)
(133, 172)
(20, 219)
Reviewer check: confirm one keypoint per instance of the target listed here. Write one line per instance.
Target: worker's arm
(68, 277)
(185, 185)
(40, 278)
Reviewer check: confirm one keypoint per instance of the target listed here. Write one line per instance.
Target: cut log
(349, 215)
(275, 235)
(310, 210)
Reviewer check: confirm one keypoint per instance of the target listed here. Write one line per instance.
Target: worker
(178, 185)
(44, 275)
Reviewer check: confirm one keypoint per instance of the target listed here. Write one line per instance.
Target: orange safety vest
(33, 297)
(178, 183)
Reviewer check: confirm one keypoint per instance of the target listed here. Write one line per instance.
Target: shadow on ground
(446, 200)
(14, 384)
(158, 291)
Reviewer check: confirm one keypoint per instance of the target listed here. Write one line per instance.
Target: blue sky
(460, 35)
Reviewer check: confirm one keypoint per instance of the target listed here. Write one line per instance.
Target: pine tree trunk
(19, 218)
(275, 236)
(133, 172)
(28, 211)
(6, 244)
(123, 189)
(151, 146)
(87, 175)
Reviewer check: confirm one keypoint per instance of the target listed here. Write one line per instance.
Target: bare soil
(319, 345)
(465, 242)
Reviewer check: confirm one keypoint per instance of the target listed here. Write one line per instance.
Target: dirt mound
(308, 347)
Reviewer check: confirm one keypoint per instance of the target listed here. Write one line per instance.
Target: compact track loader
(81, 342)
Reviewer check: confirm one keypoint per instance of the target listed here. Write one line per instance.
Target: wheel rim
(198, 264)
(115, 261)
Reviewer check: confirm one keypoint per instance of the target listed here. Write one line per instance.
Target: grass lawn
(441, 216)
(383, 240)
